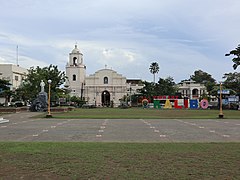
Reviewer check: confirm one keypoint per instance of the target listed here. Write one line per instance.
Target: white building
(191, 89)
(103, 88)
(13, 73)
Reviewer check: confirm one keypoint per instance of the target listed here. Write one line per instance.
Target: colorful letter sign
(179, 103)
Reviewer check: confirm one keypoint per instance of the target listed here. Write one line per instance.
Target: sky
(182, 36)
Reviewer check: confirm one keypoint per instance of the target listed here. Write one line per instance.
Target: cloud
(181, 36)
(10, 57)
(113, 54)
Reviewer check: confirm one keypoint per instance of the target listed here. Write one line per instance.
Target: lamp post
(49, 95)
(220, 103)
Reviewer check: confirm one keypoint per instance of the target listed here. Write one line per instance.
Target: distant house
(13, 73)
(134, 85)
(191, 89)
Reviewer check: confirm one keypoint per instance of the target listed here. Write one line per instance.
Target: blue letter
(193, 103)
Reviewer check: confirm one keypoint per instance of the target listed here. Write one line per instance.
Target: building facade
(191, 89)
(105, 88)
(14, 74)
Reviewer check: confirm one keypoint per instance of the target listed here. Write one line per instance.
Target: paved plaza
(23, 128)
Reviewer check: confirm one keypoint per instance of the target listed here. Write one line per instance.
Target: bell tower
(76, 73)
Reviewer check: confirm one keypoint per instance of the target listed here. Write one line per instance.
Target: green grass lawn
(140, 113)
(119, 160)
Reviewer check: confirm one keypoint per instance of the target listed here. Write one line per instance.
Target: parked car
(17, 104)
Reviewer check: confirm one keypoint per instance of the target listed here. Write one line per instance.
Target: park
(115, 90)
(163, 136)
(115, 143)
(103, 136)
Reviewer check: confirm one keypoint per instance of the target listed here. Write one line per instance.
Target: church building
(103, 88)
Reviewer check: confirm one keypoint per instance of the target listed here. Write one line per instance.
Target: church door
(105, 98)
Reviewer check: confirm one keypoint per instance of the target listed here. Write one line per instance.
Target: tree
(78, 101)
(204, 78)
(148, 89)
(236, 60)
(166, 87)
(154, 68)
(4, 85)
(30, 88)
(5, 90)
(163, 87)
(232, 82)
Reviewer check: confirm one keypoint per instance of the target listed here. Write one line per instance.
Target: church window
(74, 77)
(105, 80)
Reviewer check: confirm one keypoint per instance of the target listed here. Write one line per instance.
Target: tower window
(75, 61)
(74, 77)
(105, 80)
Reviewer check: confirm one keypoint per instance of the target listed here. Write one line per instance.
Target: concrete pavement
(23, 128)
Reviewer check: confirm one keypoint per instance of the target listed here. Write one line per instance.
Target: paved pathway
(23, 128)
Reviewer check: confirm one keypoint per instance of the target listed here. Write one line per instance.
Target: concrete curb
(3, 120)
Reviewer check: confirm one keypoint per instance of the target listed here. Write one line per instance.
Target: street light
(49, 95)
(220, 104)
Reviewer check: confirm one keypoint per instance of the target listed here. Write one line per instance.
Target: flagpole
(17, 55)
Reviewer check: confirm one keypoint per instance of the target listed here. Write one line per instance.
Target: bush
(123, 105)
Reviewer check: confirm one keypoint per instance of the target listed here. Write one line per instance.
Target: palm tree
(154, 68)
(236, 60)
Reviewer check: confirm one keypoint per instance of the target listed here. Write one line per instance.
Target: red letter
(176, 104)
(186, 103)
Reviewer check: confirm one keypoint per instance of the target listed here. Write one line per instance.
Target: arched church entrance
(105, 98)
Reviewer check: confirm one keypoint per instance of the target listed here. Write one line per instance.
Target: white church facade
(103, 88)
